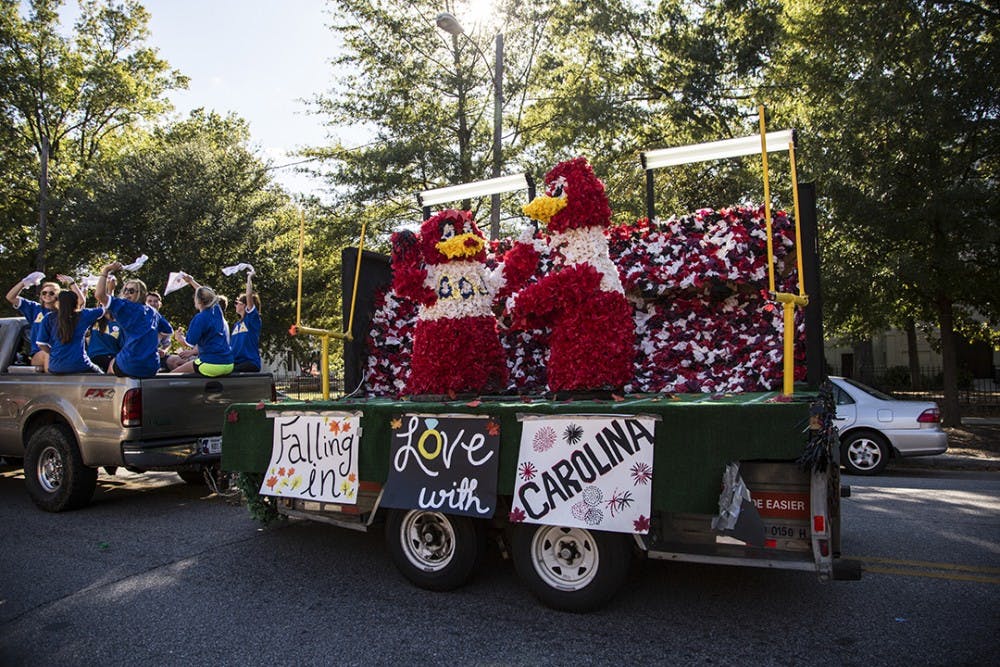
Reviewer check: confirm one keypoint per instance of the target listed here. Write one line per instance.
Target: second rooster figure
(592, 344)
(456, 349)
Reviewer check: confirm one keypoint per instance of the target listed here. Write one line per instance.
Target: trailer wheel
(571, 569)
(865, 453)
(54, 472)
(432, 550)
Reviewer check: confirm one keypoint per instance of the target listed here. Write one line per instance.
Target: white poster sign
(315, 457)
(587, 471)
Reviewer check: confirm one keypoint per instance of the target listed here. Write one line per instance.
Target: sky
(257, 58)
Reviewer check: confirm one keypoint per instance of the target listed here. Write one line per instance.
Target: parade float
(585, 393)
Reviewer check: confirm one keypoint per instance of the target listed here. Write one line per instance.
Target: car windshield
(868, 390)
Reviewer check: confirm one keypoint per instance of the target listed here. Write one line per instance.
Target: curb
(947, 462)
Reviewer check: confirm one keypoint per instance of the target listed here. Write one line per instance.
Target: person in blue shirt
(105, 341)
(138, 322)
(163, 328)
(245, 337)
(63, 332)
(35, 312)
(209, 333)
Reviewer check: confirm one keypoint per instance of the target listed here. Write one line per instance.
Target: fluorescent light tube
(716, 150)
(492, 186)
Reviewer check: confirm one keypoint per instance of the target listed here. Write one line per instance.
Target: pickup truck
(65, 427)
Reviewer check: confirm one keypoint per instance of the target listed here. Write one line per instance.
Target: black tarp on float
(376, 273)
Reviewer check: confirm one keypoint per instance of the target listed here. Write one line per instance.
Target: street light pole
(447, 22)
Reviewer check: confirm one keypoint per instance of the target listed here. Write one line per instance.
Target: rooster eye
(558, 191)
(448, 231)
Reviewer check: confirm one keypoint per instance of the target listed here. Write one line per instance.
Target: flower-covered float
(694, 288)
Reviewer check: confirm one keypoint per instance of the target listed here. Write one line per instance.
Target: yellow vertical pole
(767, 202)
(302, 243)
(788, 371)
(798, 229)
(325, 370)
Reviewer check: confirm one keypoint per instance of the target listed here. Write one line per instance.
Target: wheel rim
(50, 469)
(864, 453)
(428, 540)
(565, 558)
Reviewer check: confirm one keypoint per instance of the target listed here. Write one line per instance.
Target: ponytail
(67, 315)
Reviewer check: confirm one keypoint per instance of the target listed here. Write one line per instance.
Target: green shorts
(212, 370)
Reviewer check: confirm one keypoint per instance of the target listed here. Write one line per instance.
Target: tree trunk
(950, 412)
(911, 354)
(864, 361)
(43, 205)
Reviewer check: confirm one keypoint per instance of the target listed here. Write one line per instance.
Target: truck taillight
(819, 523)
(930, 416)
(132, 408)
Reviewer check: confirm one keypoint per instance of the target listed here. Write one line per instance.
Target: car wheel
(571, 569)
(54, 472)
(432, 550)
(865, 453)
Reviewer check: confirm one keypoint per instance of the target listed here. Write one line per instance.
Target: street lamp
(447, 22)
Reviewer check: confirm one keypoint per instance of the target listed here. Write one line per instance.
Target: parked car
(875, 427)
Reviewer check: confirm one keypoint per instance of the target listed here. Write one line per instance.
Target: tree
(194, 197)
(899, 101)
(72, 98)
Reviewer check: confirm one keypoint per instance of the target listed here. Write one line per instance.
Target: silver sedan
(874, 427)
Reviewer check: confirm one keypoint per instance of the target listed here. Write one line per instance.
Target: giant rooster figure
(582, 300)
(456, 348)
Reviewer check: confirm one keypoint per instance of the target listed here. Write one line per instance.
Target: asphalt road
(158, 573)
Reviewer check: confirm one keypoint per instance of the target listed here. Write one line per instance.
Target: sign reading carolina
(314, 457)
(590, 471)
(446, 463)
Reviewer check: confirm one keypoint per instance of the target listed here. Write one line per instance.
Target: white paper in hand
(33, 278)
(230, 270)
(175, 281)
(137, 264)
(89, 282)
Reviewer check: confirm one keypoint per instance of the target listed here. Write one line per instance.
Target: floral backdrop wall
(698, 285)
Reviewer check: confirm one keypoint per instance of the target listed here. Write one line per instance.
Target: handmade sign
(588, 471)
(314, 457)
(444, 462)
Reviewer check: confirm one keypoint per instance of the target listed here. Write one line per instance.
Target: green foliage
(262, 508)
(898, 105)
(193, 197)
(68, 102)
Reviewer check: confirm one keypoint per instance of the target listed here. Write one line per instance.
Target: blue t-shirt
(138, 357)
(245, 338)
(162, 326)
(33, 312)
(209, 332)
(107, 342)
(68, 357)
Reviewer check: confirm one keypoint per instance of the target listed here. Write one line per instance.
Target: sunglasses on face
(130, 290)
(48, 293)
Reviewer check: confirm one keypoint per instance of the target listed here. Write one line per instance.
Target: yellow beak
(463, 245)
(543, 207)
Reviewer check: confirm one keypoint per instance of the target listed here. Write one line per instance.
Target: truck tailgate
(193, 405)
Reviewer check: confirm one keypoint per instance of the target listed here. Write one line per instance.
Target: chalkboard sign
(445, 463)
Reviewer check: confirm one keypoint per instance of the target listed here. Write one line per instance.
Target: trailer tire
(54, 472)
(571, 569)
(865, 453)
(434, 551)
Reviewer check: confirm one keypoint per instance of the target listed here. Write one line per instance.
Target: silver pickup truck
(65, 427)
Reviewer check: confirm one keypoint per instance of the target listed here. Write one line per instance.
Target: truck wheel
(433, 550)
(54, 472)
(571, 569)
(865, 453)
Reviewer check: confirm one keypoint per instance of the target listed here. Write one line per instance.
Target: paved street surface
(156, 572)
